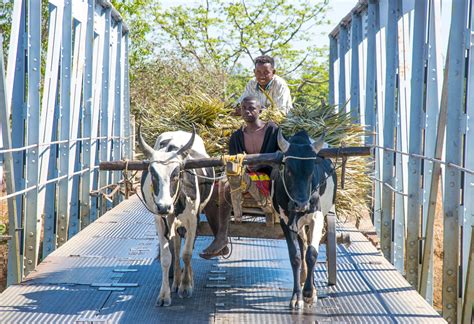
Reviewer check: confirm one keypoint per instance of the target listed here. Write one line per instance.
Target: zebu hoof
(311, 300)
(174, 287)
(163, 301)
(296, 302)
(185, 292)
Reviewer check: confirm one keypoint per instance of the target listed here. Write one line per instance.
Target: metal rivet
(449, 306)
(30, 262)
(450, 272)
(31, 234)
(450, 289)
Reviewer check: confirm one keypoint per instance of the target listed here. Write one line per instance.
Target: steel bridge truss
(61, 114)
(394, 70)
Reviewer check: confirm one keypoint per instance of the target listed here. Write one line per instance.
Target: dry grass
(438, 254)
(215, 123)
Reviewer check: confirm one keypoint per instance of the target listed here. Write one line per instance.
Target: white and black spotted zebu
(304, 192)
(176, 197)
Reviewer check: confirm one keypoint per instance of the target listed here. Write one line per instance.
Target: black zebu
(304, 192)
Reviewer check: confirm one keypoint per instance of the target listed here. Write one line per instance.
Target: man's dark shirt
(270, 144)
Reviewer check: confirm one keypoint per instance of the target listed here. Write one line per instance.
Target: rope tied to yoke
(234, 166)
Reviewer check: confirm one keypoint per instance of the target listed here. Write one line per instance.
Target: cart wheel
(331, 247)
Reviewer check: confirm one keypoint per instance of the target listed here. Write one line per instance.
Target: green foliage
(136, 15)
(6, 8)
(222, 34)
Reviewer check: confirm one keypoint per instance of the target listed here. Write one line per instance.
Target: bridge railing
(404, 69)
(61, 114)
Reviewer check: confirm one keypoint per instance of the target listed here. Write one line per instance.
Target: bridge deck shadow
(252, 286)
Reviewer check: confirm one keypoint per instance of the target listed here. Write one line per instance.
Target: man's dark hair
(265, 59)
(252, 98)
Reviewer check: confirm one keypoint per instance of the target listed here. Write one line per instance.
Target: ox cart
(253, 214)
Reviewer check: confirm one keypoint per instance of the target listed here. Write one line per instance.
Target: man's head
(250, 109)
(264, 69)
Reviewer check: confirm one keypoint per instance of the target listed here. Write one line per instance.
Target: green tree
(136, 15)
(6, 8)
(223, 34)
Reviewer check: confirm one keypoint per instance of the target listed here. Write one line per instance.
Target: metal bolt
(449, 319)
(450, 272)
(62, 240)
(412, 243)
(31, 234)
(412, 271)
(30, 248)
(30, 262)
(450, 289)
(62, 228)
(449, 306)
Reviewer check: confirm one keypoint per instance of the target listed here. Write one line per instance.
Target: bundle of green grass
(215, 123)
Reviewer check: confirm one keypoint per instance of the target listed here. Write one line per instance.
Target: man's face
(264, 73)
(249, 110)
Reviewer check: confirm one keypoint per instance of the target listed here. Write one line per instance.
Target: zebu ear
(147, 149)
(318, 144)
(184, 150)
(283, 144)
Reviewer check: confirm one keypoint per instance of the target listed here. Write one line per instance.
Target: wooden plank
(253, 159)
(246, 229)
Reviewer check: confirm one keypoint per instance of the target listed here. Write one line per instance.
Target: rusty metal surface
(118, 253)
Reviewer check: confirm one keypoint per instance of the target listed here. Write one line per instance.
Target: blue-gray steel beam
(468, 213)
(117, 108)
(49, 122)
(454, 134)
(87, 119)
(64, 193)
(389, 125)
(356, 36)
(380, 12)
(16, 91)
(126, 103)
(16, 106)
(342, 42)
(103, 148)
(32, 219)
(370, 102)
(79, 13)
(416, 129)
(99, 33)
(332, 62)
(434, 85)
(14, 272)
(468, 297)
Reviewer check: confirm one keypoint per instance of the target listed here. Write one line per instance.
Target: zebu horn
(318, 144)
(147, 149)
(184, 150)
(283, 144)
